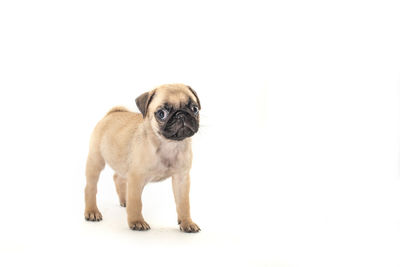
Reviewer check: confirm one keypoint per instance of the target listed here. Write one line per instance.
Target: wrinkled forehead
(174, 97)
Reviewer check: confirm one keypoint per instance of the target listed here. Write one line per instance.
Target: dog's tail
(117, 109)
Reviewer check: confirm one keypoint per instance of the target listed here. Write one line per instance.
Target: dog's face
(173, 111)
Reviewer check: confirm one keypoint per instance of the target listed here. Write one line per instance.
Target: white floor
(260, 214)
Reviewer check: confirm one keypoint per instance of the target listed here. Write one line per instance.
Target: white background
(297, 159)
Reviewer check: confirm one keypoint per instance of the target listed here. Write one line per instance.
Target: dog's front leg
(134, 203)
(181, 187)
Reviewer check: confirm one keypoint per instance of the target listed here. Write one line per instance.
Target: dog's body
(143, 148)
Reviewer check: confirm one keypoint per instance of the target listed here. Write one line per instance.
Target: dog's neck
(164, 145)
(169, 152)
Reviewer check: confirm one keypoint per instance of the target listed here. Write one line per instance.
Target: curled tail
(117, 109)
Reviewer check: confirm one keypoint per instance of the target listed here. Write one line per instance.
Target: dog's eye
(195, 109)
(162, 114)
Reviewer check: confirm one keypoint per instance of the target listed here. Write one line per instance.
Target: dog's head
(173, 110)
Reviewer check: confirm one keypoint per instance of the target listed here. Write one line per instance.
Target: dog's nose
(180, 116)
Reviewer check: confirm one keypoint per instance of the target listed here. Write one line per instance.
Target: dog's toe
(93, 215)
(189, 227)
(139, 226)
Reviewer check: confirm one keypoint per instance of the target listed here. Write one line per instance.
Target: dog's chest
(170, 159)
(170, 155)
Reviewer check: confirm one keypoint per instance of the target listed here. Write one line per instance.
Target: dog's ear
(195, 94)
(143, 102)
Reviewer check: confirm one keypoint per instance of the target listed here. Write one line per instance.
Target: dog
(146, 147)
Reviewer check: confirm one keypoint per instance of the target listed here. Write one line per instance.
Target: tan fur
(117, 109)
(133, 148)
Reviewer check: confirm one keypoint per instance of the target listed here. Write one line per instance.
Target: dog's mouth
(181, 134)
(180, 126)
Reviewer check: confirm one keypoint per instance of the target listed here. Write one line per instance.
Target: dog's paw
(139, 225)
(189, 227)
(93, 215)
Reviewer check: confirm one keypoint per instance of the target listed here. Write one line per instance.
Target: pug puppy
(144, 148)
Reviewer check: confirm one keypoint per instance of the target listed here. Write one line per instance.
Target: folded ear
(143, 102)
(195, 94)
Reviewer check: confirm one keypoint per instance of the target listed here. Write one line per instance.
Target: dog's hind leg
(120, 185)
